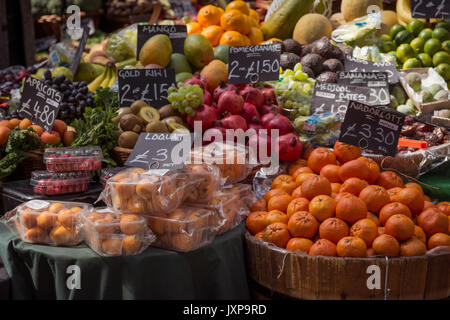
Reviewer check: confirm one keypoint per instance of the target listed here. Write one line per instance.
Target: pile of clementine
(338, 203)
(238, 25)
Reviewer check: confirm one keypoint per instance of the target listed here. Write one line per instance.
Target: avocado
(323, 47)
(308, 71)
(327, 76)
(333, 65)
(289, 60)
(292, 46)
(313, 61)
(307, 49)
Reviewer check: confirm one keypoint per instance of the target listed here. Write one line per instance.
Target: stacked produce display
(325, 197)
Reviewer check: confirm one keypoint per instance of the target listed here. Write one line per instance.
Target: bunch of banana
(106, 79)
(404, 12)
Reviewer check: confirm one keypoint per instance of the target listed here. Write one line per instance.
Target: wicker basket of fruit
(120, 155)
(119, 12)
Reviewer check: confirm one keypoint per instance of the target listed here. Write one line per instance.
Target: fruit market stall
(148, 136)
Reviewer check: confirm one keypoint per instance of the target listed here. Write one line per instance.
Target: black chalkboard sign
(40, 103)
(353, 64)
(254, 63)
(376, 81)
(182, 8)
(80, 49)
(177, 35)
(372, 128)
(150, 85)
(160, 151)
(439, 9)
(334, 97)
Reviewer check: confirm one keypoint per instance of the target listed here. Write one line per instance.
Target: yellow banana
(404, 15)
(94, 84)
(113, 80)
(107, 79)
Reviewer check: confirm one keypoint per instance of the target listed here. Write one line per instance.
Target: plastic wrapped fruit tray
(108, 173)
(73, 159)
(48, 222)
(184, 229)
(109, 233)
(51, 183)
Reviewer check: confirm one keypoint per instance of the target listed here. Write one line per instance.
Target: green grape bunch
(186, 98)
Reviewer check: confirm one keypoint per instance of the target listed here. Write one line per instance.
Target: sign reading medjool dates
(439, 9)
(160, 151)
(376, 81)
(40, 103)
(334, 97)
(249, 64)
(372, 128)
(352, 64)
(150, 85)
(176, 34)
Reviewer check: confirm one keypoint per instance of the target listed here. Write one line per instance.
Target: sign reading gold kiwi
(150, 85)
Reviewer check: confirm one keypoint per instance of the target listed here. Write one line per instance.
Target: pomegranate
(196, 80)
(269, 108)
(289, 147)
(257, 142)
(205, 114)
(269, 96)
(234, 122)
(211, 134)
(255, 126)
(250, 113)
(207, 98)
(222, 88)
(281, 123)
(253, 96)
(230, 102)
(266, 118)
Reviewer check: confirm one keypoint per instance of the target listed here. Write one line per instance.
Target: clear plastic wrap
(47, 222)
(231, 159)
(357, 32)
(185, 229)
(122, 45)
(73, 159)
(206, 180)
(108, 173)
(109, 233)
(50, 183)
(321, 129)
(372, 53)
(432, 82)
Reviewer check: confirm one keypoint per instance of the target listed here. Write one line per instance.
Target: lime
(425, 59)
(444, 25)
(441, 34)
(396, 28)
(403, 37)
(385, 37)
(432, 46)
(388, 46)
(444, 70)
(404, 52)
(415, 26)
(412, 63)
(426, 34)
(417, 44)
(441, 57)
(446, 45)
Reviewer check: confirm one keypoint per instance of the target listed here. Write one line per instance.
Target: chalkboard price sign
(376, 81)
(177, 35)
(439, 9)
(160, 151)
(150, 85)
(254, 63)
(40, 103)
(372, 128)
(334, 97)
(353, 64)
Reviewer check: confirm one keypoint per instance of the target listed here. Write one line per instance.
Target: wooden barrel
(304, 276)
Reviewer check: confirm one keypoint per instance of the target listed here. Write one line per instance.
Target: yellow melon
(353, 9)
(310, 27)
(388, 19)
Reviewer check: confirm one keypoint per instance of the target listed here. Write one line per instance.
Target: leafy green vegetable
(96, 127)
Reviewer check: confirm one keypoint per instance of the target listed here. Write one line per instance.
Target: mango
(156, 50)
(198, 50)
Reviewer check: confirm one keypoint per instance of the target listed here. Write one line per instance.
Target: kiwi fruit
(149, 114)
(137, 105)
(167, 111)
(130, 122)
(157, 126)
(120, 113)
(177, 128)
(176, 119)
(128, 139)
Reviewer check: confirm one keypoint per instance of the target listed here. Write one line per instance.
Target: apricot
(56, 207)
(68, 137)
(46, 221)
(35, 235)
(66, 218)
(7, 123)
(37, 129)
(28, 220)
(4, 135)
(25, 123)
(112, 246)
(130, 224)
(61, 236)
(75, 209)
(131, 244)
(14, 122)
(51, 137)
(60, 127)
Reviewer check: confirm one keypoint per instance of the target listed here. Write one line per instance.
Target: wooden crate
(303, 276)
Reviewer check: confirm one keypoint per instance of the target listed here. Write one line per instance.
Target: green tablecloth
(216, 271)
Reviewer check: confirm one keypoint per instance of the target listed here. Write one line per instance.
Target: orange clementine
(279, 203)
(386, 245)
(238, 5)
(112, 246)
(256, 221)
(255, 36)
(331, 172)
(303, 225)
(351, 209)
(333, 229)
(297, 193)
(389, 179)
(276, 216)
(420, 234)
(381, 230)
(336, 187)
(319, 158)
(354, 169)
(259, 235)
(323, 247)
(254, 15)
(414, 185)
(322, 207)
(365, 229)
(35, 235)
(412, 198)
(300, 163)
(277, 233)
(234, 20)
(393, 193)
(209, 15)
(412, 247)
(432, 221)
(297, 204)
(299, 244)
(393, 208)
(284, 182)
(374, 218)
(302, 177)
(400, 227)
(274, 192)
(213, 34)
(351, 247)
(444, 207)
(259, 205)
(341, 195)
(427, 204)
(193, 27)
(374, 169)
(346, 152)
(375, 198)
(130, 224)
(354, 186)
(315, 186)
(438, 239)
(7, 123)
(301, 170)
